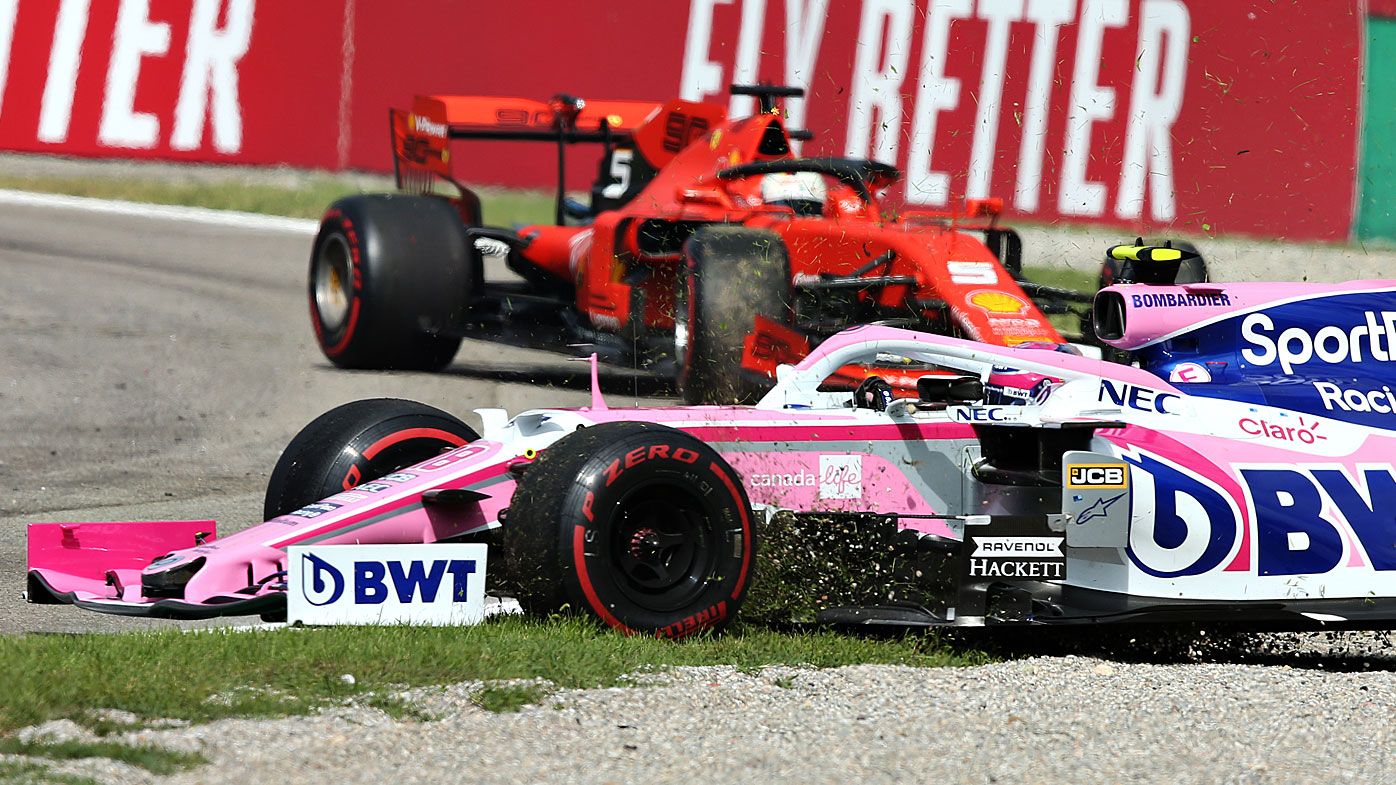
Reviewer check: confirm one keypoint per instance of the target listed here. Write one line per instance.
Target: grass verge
(155, 760)
(301, 196)
(507, 698)
(13, 772)
(209, 675)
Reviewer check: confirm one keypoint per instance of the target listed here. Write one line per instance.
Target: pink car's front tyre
(640, 525)
(357, 443)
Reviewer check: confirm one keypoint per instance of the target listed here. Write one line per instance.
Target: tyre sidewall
(412, 275)
(584, 513)
(338, 343)
(605, 481)
(750, 268)
(358, 443)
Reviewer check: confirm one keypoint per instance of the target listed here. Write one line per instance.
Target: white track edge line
(199, 215)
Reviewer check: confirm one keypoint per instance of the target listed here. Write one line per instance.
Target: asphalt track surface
(154, 368)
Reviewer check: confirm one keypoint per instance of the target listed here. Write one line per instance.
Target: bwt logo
(409, 581)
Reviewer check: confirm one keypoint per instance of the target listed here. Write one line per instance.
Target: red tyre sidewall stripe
(584, 578)
(412, 433)
(348, 331)
(746, 529)
(351, 238)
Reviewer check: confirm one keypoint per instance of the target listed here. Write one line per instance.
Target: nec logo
(1139, 398)
(1096, 476)
(375, 581)
(981, 414)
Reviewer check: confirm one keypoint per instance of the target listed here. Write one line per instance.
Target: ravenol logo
(374, 581)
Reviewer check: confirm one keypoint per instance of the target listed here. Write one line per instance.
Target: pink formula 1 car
(1239, 468)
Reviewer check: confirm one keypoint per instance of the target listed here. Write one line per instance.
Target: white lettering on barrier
(879, 81)
(1090, 103)
(210, 69)
(1153, 108)
(135, 38)
(701, 75)
(9, 14)
(56, 110)
(805, 21)
(1000, 14)
(1047, 16)
(935, 94)
(748, 55)
(876, 100)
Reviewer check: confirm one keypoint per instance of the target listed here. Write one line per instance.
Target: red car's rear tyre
(356, 443)
(643, 526)
(387, 274)
(733, 275)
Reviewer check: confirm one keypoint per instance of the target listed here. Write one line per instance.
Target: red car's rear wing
(421, 136)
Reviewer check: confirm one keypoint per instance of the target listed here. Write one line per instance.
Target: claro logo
(1374, 340)
(371, 582)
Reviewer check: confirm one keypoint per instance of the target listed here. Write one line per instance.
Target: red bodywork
(949, 279)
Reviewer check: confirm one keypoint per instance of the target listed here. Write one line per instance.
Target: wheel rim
(333, 282)
(662, 546)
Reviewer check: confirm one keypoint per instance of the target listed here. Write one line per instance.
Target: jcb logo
(1097, 475)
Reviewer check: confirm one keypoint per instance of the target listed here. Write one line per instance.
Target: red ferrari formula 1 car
(710, 251)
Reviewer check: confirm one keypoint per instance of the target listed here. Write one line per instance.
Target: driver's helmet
(803, 192)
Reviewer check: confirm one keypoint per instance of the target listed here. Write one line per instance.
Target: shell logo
(614, 120)
(411, 122)
(715, 139)
(997, 302)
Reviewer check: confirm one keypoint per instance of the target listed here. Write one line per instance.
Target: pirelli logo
(1097, 475)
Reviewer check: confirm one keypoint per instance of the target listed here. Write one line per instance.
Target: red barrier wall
(1206, 116)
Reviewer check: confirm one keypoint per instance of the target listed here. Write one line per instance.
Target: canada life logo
(373, 582)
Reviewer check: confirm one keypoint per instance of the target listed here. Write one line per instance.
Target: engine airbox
(1130, 316)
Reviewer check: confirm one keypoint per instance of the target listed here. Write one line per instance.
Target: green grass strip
(205, 676)
(156, 760)
(307, 197)
(508, 698)
(13, 772)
